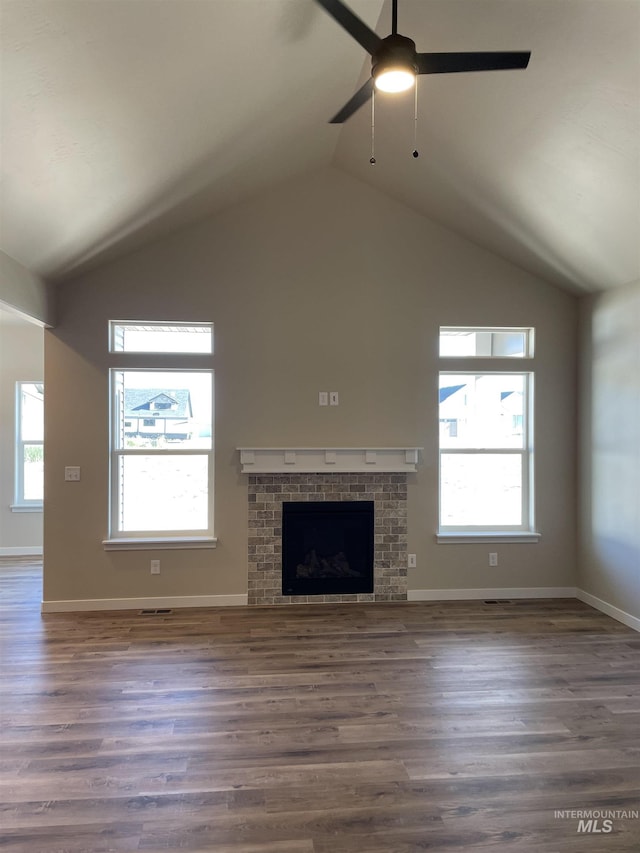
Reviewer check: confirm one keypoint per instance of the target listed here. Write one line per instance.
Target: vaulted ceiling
(125, 119)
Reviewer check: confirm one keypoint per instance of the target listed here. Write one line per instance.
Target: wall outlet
(323, 398)
(155, 567)
(493, 558)
(333, 398)
(72, 473)
(412, 561)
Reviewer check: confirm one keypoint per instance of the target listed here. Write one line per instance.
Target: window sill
(25, 507)
(159, 543)
(489, 536)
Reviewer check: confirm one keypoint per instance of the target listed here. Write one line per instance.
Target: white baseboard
(506, 592)
(22, 551)
(83, 605)
(87, 604)
(609, 609)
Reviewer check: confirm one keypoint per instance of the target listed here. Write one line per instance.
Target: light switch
(72, 473)
(333, 398)
(323, 398)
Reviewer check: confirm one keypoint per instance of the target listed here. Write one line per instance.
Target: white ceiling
(124, 119)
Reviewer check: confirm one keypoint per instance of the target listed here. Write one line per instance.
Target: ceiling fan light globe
(395, 80)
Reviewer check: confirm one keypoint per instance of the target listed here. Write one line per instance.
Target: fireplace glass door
(327, 547)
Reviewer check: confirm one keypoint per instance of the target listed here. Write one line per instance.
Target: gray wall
(321, 284)
(610, 448)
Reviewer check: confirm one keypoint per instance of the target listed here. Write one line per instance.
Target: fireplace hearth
(327, 547)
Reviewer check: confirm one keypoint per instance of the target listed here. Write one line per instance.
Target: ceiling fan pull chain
(372, 159)
(415, 120)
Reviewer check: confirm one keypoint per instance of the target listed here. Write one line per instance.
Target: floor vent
(498, 601)
(156, 611)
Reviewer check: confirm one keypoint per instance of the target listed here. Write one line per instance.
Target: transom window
(468, 342)
(129, 336)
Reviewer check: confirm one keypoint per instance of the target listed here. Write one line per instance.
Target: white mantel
(320, 460)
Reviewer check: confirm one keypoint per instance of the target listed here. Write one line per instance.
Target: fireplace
(327, 547)
(267, 495)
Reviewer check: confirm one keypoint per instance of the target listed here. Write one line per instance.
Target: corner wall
(609, 483)
(25, 292)
(321, 284)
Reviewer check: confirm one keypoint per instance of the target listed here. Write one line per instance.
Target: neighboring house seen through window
(161, 466)
(486, 435)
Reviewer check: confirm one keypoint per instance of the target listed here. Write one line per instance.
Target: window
(29, 467)
(161, 466)
(486, 438)
(467, 342)
(125, 336)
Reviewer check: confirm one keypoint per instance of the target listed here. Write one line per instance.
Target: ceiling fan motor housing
(396, 51)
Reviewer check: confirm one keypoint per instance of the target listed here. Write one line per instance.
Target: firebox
(327, 547)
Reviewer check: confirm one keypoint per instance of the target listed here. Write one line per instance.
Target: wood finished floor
(376, 728)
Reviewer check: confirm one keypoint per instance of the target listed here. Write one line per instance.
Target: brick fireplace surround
(267, 492)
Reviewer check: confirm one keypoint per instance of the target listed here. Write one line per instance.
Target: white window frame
(501, 366)
(116, 338)
(20, 503)
(527, 332)
(135, 361)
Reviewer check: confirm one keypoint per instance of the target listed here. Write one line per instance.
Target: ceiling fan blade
(358, 100)
(356, 28)
(449, 63)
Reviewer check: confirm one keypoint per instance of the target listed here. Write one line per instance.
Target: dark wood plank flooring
(376, 728)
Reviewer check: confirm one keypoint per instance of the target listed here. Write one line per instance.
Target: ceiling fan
(395, 62)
